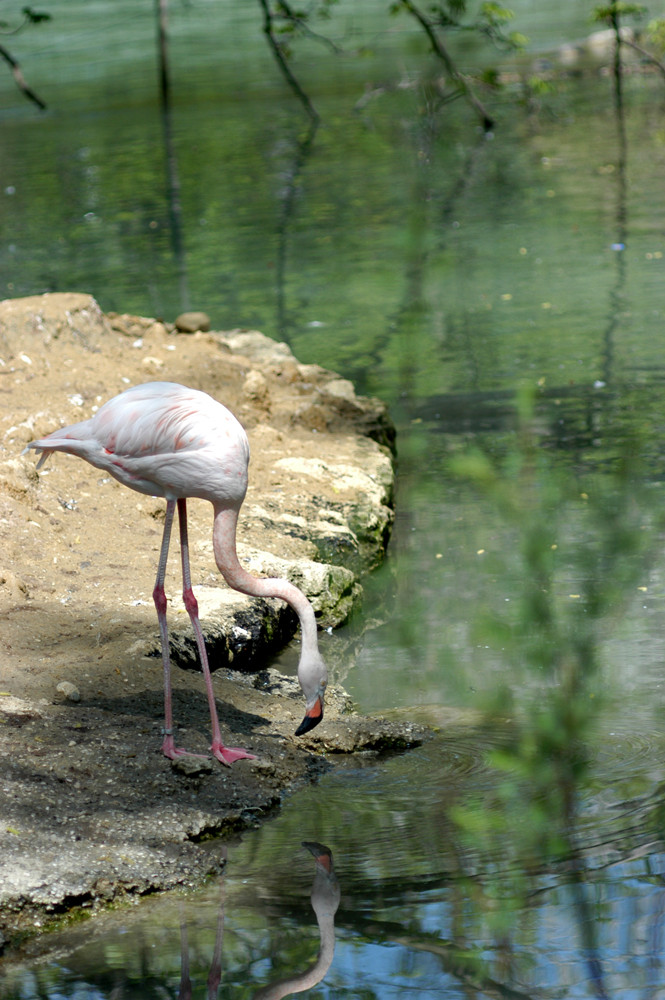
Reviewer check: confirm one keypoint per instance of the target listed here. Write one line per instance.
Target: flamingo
(167, 440)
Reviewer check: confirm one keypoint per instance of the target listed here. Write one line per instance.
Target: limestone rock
(34, 323)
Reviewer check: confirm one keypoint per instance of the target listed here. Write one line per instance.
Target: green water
(440, 269)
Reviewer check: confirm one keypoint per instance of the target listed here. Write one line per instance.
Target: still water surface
(440, 269)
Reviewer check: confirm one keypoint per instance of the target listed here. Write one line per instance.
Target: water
(406, 924)
(440, 269)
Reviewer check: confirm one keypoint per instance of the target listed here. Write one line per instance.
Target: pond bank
(92, 810)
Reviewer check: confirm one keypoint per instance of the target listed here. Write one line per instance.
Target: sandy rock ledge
(91, 810)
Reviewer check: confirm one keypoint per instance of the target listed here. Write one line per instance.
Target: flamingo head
(313, 677)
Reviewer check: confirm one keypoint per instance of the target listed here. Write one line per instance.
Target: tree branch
(442, 53)
(299, 21)
(20, 81)
(643, 52)
(268, 30)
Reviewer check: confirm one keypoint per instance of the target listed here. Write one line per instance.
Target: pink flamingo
(166, 440)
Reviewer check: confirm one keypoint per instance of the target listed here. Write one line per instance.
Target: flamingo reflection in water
(324, 899)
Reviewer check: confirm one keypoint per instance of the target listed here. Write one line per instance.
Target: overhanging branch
(442, 53)
(269, 32)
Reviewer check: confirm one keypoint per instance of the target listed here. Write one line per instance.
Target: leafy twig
(30, 16)
(298, 21)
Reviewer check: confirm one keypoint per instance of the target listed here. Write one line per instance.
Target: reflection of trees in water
(533, 831)
(173, 201)
(617, 292)
(302, 147)
(431, 210)
(589, 426)
(591, 410)
(586, 418)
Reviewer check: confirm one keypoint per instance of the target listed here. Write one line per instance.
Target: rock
(19, 708)
(69, 691)
(359, 735)
(333, 590)
(37, 322)
(256, 346)
(135, 327)
(190, 322)
(192, 767)
(341, 388)
(354, 529)
(255, 388)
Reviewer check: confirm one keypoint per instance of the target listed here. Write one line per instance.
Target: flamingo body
(166, 440)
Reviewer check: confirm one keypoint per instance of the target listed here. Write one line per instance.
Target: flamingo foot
(228, 755)
(170, 750)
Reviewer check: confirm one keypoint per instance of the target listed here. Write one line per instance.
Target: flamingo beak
(312, 718)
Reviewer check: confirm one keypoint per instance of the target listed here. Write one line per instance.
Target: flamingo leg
(169, 748)
(227, 755)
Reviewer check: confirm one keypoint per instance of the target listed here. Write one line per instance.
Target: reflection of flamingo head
(321, 854)
(325, 889)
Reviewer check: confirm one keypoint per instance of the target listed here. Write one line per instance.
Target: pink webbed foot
(228, 755)
(170, 750)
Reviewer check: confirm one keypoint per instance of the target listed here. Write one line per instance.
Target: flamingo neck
(226, 557)
(310, 977)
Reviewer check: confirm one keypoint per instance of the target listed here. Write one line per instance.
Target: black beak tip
(308, 723)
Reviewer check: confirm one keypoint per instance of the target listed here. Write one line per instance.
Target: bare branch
(646, 55)
(442, 53)
(268, 30)
(20, 81)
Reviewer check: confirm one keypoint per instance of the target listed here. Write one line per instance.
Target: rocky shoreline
(91, 810)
